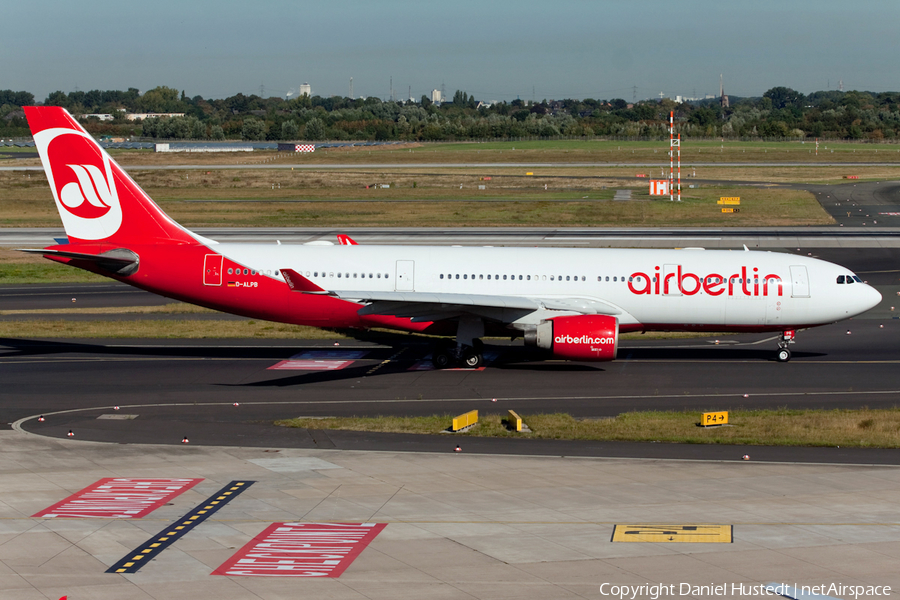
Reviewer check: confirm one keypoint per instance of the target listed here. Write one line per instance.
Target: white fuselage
(660, 289)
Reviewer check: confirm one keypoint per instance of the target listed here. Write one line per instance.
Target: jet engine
(581, 337)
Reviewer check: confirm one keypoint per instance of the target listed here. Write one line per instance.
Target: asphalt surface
(189, 388)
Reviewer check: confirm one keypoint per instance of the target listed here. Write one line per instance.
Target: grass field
(783, 427)
(247, 198)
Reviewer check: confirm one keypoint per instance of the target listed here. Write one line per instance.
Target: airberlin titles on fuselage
(714, 284)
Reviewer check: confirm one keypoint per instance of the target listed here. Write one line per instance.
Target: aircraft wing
(431, 306)
(380, 300)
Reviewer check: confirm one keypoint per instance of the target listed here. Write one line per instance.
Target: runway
(189, 388)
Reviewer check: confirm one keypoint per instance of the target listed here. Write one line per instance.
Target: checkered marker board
(305, 148)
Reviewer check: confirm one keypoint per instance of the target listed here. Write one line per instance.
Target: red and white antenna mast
(678, 141)
(671, 152)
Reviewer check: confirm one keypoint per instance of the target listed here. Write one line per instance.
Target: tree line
(780, 113)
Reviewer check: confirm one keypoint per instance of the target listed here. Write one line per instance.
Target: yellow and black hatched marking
(165, 538)
(721, 534)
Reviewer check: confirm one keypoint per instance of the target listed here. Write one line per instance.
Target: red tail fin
(96, 199)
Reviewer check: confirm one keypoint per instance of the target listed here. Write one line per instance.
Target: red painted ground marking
(311, 365)
(119, 498)
(301, 550)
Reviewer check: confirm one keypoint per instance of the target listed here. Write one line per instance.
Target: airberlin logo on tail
(90, 196)
(81, 178)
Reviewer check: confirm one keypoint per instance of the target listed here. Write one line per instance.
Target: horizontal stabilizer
(119, 261)
(299, 283)
(346, 240)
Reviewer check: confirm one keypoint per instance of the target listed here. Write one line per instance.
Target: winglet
(299, 283)
(346, 240)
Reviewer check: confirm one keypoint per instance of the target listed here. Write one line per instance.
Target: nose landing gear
(785, 339)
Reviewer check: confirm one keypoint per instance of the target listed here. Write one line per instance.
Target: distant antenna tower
(633, 94)
(409, 93)
(841, 85)
(392, 88)
(443, 92)
(262, 91)
(351, 88)
(723, 99)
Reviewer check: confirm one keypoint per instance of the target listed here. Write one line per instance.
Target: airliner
(572, 302)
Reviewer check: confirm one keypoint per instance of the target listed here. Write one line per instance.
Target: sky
(492, 49)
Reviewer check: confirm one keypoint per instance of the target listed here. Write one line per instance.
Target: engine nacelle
(582, 337)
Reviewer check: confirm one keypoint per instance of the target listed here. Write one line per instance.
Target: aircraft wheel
(783, 355)
(473, 360)
(441, 358)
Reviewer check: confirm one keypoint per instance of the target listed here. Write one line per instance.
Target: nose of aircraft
(869, 298)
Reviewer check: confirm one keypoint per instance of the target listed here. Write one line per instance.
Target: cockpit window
(857, 279)
(840, 279)
(849, 279)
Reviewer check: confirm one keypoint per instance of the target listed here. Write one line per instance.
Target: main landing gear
(784, 340)
(468, 351)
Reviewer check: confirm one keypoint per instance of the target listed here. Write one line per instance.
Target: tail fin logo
(91, 187)
(82, 181)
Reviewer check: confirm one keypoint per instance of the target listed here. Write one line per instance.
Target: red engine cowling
(582, 337)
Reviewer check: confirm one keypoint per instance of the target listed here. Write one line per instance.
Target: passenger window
(481, 277)
(567, 278)
(551, 278)
(528, 278)
(544, 278)
(230, 271)
(489, 277)
(615, 278)
(465, 276)
(520, 278)
(504, 278)
(339, 275)
(607, 277)
(631, 279)
(599, 278)
(379, 275)
(442, 275)
(457, 275)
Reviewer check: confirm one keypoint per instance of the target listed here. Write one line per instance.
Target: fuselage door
(799, 282)
(670, 284)
(405, 279)
(212, 269)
